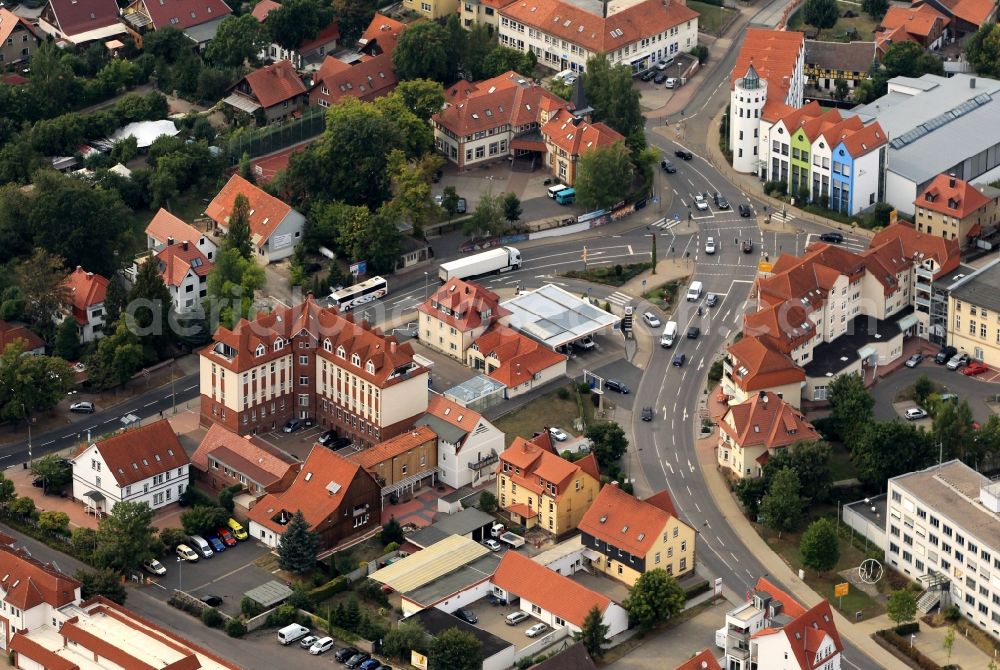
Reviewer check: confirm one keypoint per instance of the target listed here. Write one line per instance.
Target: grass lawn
(713, 19)
(841, 466)
(610, 275)
(548, 410)
(666, 296)
(862, 23)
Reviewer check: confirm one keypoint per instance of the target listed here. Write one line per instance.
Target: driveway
(672, 647)
(974, 390)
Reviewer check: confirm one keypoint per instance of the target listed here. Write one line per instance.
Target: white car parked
(915, 413)
(321, 646)
(536, 630)
(492, 545)
(701, 203)
(558, 434)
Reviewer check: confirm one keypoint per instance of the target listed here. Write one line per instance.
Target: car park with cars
(186, 553)
(226, 537)
(515, 618)
(293, 425)
(974, 368)
(466, 615)
(672, 82)
(345, 654)
(321, 646)
(945, 355)
(308, 641)
(914, 360)
(217, 545)
(154, 567)
(957, 361)
(492, 545)
(536, 630)
(239, 532)
(357, 659)
(659, 78)
(647, 75)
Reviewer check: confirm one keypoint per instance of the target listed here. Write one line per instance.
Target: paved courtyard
(671, 648)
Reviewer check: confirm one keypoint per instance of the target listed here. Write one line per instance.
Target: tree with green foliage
(7, 492)
(24, 507)
(422, 52)
(53, 471)
(782, 506)
(101, 582)
(118, 356)
(298, 547)
(125, 149)
(232, 284)
(615, 101)
(479, 42)
(654, 598)
(149, 309)
(982, 50)
(67, 342)
(593, 633)
(82, 543)
(203, 519)
(455, 649)
(922, 390)
(54, 89)
(391, 532)
(41, 278)
(171, 537)
(423, 97)
(819, 546)
(700, 51)
(954, 432)
(512, 207)
(811, 462)
(297, 21)
(949, 642)
(411, 187)
(603, 177)
(840, 89)
(240, 38)
(487, 502)
(851, 406)
(609, 442)
(353, 16)
(820, 14)
(504, 59)
(902, 606)
(126, 537)
(487, 220)
(30, 384)
(449, 201)
(54, 522)
(909, 59)
(889, 448)
(406, 637)
(875, 8)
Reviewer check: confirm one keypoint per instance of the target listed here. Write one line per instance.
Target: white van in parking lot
(291, 633)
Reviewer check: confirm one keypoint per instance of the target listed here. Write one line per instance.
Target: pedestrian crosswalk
(780, 216)
(666, 224)
(619, 299)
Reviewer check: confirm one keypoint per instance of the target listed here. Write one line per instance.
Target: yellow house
(539, 488)
(633, 535)
(753, 430)
(432, 9)
(456, 315)
(974, 315)
(955, 209)
(485, 12)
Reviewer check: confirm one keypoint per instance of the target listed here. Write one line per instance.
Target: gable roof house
(752, 431)
(404, 463)
(15, 332)
(456, 314)
(32, 593)
(967, 16)
(18, 38)
(339, 499)
(184, 270)
(567, 137)
(145, 464)
(468, 446)
(515, 360)
(918, 23)
(275, 228)
(703, 660)
(274, 91)
(225, 458)
(366, 73)
(955, 209)
(197, 19)
(165, 229)
(86, 302)
(79, 22)
(310, 53)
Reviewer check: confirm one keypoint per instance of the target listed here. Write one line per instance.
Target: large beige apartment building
(309, 363)
(456, 315)
(432, 9)
(974, 314)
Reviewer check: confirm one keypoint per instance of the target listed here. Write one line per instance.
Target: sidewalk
(930, 641)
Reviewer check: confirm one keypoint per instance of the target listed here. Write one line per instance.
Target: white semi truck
(500, 259)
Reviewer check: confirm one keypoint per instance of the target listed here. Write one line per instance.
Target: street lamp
(180, 572)
(173, 396)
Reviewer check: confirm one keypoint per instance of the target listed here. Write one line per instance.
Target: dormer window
(370, 368)
(279, 344)
(327, 345)
(341, 352)
(261, 350)
(356, 360)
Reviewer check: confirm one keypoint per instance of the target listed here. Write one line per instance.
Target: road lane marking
(698, 508)
(720, 540)
(734, 557)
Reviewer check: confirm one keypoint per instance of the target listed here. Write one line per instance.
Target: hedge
(907, 629)
(902, 646)
(330, 589)
(697, 589)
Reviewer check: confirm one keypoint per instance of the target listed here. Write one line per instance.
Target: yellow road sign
(840, 590)
(764, 266)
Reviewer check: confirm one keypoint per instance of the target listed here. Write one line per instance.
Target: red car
(226, 537)
(974, 368)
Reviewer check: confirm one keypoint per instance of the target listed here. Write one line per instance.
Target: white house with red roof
(703, 660)
(515, 360)
(145, 464)
(275, 228)
(225, 458)
(275, 90)
(197, 19)
(565, 35)
(752, 431)
(32, 594)
(86, 292)
(18, 38)
(79, 22)
(468, 446)
(184, 270)
(772, 630)
(165, 229)
(456, 314)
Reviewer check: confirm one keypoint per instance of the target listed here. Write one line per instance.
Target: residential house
(275, 228)
(553, 598)
(79, 22)
(402, 464)
(703, 660)
(98, 633)
(455, 315)
(468, 446)
(15, 332)
(18, 39)
(432, 9)
(568, 137)
(766, 83)
(538, 488)
(165, 229)
(752, 431)
(967, 16)
(826, 62)
(974, 314)
(274, 91)
(87, 292)
(955, 209)
(339, 499)
(225, 459)
(919, 23)
(574, 657)
(310, 363)
(515, 360)
(565, 35)
(942, 532)
(145, 464)
(366, 73)
(772, 630)
(310, 53)
(184, 270)
(751, 366)
(197, 19)
(631, 536)
(31, 593)
(482, 12)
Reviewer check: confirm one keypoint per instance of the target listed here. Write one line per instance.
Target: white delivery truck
(669, 335)
(501, 259)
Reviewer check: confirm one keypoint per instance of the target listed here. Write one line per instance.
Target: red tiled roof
(976, 12)
(453, 413)
(765, 368)
(165, 225)
(913, 243)
(46, 658)
(331, 33)
(865, 140)
(27, 582)
(384, 32)
(79, 16)
(703, 660)
(263, 8)
(593, 32)
(14, 79)
(182, 14)
(365, 80)
(270, 465)
(275, 83)
(952, 197)
(789, 605)
(766, 420)
(520, 356)
(623, 521)
(86, 289)
(507, 99)
(9, 21)
(139, 453)
(384, 451)
(773, 54)
(548, 589)
(464, 305)
(175, 261)
(523, 510)
(806, 634)
(267, 212)
(10, 333)
(536, 462)
(919, 20)
(576, 136)
(312, 492)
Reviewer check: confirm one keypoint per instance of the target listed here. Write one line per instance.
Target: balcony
(737, 653)
(922, 301)
(924, 273)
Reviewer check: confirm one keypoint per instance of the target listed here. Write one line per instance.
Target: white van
(556, 189)
(563, 75)
(199, 544)
(694, 291)
(669, 335)
(291, 633)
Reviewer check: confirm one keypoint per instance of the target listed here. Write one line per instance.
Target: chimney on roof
(170, 241)
(951, 179)
(392, 346)
(184, 245)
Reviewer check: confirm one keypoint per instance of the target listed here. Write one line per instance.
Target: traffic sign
(841, 590)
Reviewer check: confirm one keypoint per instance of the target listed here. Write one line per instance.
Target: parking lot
(297, 444)
(492, 619)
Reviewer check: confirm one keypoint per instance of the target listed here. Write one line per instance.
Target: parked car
(945, 355)
(370, 664)
(536, 630)
(153, 566)
(709, 243)
(515, 618)
(492, 545)
(748, 246)
(239, 532)
(308, 641)
(648, 75)
(462, 206)
(586, 344)
(914, 360)
(496, 601)
(466, 615)
(327, 437)
(218, 546)
(664, 63)
(915, 413)
(186, 553)
(684, 154)
(293, 425)
(694, 332)
(616, 385)
(647, 413)
(720, 201)
(974, 368)
(357, 659)
(668, 167)
(957, 361)
(678, 360)
(345, 654)
(712, 300)
(321, 646)
(651, 320)
(700, 203)
(745, 211)
(226, 537)
(211, 600)
(672, 82)
(659, 78)
(833, 238)
(558, 434)
(82, 407)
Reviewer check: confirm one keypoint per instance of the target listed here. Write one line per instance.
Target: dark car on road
(694, 332)
(678, 360)
(616, 385)
(647, 413)
(668, 167)
(684, 154)
(712, 300)
(745, 211)
(748, 246)
(832, 238)
(720, 201)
